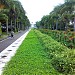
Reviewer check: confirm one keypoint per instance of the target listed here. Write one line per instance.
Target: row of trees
(61, 18)
(13, 15)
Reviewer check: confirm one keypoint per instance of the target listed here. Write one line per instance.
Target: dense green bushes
(66, 38)
(62, 58)
(65, 62)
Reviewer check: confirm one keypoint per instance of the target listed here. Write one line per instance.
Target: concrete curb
(10, 51)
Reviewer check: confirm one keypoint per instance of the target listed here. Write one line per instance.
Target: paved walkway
(4, 43)
(10, 51)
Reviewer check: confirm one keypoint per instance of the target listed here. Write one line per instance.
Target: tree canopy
(15, 13)
(61, 18)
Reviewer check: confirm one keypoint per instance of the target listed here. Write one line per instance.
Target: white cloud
(37, 8)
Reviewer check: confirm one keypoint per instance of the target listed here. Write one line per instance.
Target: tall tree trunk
(11, 24)
(66, 27)
(74, 24)
(15, 25)
(19, 26)
(7, 26)
(57, 25)
(60, 26)
(22, 27)
(0, 29)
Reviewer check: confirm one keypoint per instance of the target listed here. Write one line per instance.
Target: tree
(60, 17)
(38, 24)
(16, 14)
(5, 18)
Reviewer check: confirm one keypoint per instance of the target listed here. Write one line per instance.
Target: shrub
(62, 58)
(66, 38)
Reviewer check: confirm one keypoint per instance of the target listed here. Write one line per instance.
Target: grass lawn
(30, 59)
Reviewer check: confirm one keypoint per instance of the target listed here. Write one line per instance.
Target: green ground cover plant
(62, 58)
(39, 54)
(30, 59)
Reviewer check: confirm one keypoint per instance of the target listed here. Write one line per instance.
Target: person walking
(12, 34)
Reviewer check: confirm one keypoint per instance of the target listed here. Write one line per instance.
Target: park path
(7, 41)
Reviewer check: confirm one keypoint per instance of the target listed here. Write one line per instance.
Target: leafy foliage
(3, 17)
(62, 58)
(60, 18)
(66, 38)
(15, 13)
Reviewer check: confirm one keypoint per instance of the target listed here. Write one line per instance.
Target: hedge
(62, 58)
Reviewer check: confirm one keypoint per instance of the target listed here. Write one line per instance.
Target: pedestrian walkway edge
(10, 51)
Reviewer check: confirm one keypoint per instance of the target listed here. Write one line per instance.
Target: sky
(36, 9)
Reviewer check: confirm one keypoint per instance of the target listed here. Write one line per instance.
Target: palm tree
(15, 12)
(4, 4)
(4, 17)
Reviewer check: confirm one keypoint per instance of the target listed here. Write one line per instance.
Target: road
(6, 42)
